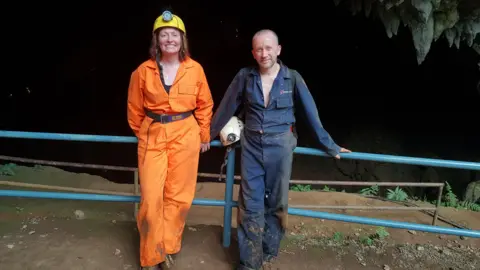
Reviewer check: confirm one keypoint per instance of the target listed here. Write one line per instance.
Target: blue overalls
(267, 153)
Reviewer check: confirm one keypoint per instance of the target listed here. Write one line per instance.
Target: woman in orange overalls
(169, 110)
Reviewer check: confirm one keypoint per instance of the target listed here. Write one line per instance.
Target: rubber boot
(151, 268)
(268, 262)
(169, 262)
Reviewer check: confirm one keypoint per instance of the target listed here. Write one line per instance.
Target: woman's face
(170, 40)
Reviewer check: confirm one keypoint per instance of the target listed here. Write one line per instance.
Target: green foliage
(397, 195)
(366, 240)
(302, 188)
(8, 169)
(326, 188)
(381, 233)
(370, 191)
(338, 237)
(469, 206)
(451, 200)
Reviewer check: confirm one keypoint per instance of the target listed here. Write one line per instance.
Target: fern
(370, 191)
(397, 195)
(450, 199)
(327, 189)
(302, 188)
(8, 169)
(470, 206)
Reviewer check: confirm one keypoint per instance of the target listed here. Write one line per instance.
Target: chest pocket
(186, 99)
(191, 89)
(284, 102)
(287, 99)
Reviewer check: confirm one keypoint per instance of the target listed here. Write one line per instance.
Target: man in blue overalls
(267, 93)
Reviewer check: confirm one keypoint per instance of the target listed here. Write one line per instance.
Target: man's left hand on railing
(204, 147)
(342, 150)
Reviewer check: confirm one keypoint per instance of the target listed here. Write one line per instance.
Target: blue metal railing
(228, 203)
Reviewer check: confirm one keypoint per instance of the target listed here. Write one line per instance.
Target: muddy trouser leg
(278, 152)
(152, 159)
(250, 219)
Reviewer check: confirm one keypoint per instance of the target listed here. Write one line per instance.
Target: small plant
(381, 233)
(366, 240)
(327, 189)
(370, 191)
(302, 188)
(449, 199)
(8, 169)
(470, 206)
(338, 237)
(397, 195)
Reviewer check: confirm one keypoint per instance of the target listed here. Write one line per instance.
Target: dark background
(67, 66)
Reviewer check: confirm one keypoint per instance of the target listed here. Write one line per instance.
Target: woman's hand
(204, 147)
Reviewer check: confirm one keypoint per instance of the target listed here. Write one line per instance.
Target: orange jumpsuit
(168, 154)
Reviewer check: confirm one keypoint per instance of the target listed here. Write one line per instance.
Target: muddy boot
(268, 263)
(151, 268)
(169, 262)
(267, 266)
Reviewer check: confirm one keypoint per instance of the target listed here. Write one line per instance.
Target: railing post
(227, 211)
(439, 203)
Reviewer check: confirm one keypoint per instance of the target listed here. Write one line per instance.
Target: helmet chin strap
(230, 137)
(157, 57)
(225, 161)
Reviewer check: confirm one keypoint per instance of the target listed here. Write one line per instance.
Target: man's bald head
(265, 33)
(265, 48)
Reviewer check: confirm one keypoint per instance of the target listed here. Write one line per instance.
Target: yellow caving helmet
(167, 19)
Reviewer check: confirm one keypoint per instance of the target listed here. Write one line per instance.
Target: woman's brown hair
(154, 48)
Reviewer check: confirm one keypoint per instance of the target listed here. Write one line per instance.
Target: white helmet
(230, 133)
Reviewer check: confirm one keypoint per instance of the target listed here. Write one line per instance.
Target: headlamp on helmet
(167, 16)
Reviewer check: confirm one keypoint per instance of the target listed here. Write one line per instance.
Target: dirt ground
(67, 234)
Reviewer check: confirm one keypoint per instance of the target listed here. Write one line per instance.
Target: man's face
(265, 50)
